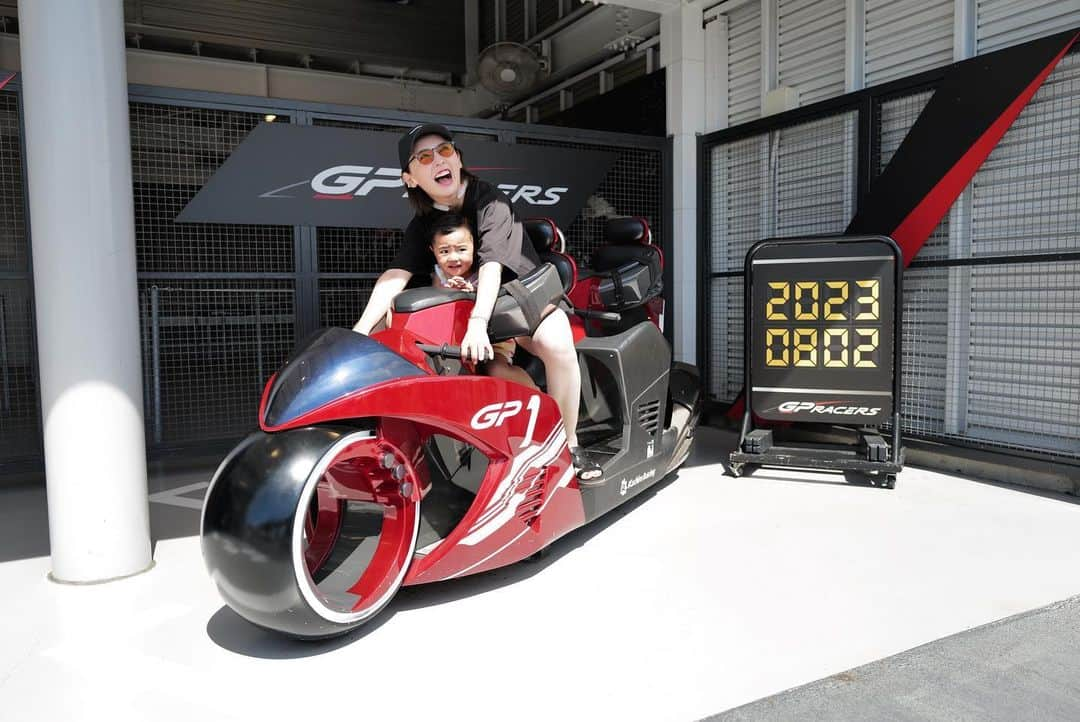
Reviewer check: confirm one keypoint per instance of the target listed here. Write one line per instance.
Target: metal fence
(20, 428)
(991, 331)
(222, 306)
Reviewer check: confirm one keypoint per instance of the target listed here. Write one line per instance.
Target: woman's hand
(476, 347)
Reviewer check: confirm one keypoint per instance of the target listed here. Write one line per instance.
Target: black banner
(285, 174)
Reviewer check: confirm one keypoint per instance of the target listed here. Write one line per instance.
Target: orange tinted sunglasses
(427, 156)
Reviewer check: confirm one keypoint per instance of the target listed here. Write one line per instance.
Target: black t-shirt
(499, 236)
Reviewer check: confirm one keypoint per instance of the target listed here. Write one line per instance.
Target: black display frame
(872, 455)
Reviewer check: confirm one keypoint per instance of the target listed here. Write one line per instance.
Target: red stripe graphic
(6, 80)
(917, 226)
(333, 197)
(913, 231)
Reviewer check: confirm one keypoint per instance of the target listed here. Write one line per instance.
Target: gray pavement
(1025, 667)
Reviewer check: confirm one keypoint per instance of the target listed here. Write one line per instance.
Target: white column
(78, 151)
(682, 49)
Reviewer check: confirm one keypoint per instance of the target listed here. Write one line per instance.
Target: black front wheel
(309, 532)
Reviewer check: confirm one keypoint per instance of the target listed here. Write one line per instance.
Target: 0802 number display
(823, 324)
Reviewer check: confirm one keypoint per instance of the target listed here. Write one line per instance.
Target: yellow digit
(872, 300)
(806, 343)
(865, 347)
(772, 358)
(801, 303)
(834, 307)
(771, 313)
(831, 360)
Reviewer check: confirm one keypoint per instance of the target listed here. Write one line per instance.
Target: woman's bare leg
(553, 343)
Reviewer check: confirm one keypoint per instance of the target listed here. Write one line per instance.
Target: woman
(436, 180)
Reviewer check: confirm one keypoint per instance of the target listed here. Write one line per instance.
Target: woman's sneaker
(589, 473)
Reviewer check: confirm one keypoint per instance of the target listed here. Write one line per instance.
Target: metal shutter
(744, 63)
(1024, 366)
(811, 47)
(905, 37)
(1000, 23)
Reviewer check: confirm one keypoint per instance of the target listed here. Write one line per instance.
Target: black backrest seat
(631, 267)
(550, 245)
(627, 230)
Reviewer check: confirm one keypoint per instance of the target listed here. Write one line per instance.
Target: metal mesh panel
(208, 348)
(923, 366)
(737, 211)
(14, 250)
(794, 181)
(358, 250)
(19, 431)
(633, 187)
(174, 152)
(1023, 380)
(20, 436)
(1026, 195)
(208, 345)
(725, 371)
(341, 300)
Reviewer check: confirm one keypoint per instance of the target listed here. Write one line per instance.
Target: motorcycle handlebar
(445, 350)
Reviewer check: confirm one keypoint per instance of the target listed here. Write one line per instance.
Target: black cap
(408, 140)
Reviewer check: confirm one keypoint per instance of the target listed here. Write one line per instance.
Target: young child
(452, 243)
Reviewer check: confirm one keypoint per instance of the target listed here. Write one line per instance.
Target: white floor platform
(705, 594)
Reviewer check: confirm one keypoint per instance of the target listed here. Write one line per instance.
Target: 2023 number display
(823, 324)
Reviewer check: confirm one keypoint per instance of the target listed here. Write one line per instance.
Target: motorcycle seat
(518, 307)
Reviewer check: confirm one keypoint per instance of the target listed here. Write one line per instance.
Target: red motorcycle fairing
(518, 428)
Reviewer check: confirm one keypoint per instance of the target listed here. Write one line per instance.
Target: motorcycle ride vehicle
(379, 464)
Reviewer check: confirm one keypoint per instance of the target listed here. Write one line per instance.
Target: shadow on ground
(230, 631)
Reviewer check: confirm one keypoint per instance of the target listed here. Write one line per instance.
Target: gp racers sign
(821, 329)
(285, 174)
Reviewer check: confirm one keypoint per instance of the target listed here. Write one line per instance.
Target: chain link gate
(221, 305)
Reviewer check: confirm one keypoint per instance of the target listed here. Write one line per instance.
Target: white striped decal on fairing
(501, 507)
(563, 481)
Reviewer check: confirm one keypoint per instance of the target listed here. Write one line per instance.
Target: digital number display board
(821, 329)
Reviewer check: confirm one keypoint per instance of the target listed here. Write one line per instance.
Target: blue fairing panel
(333, 363)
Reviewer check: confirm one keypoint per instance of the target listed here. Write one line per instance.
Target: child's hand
(459, 284)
